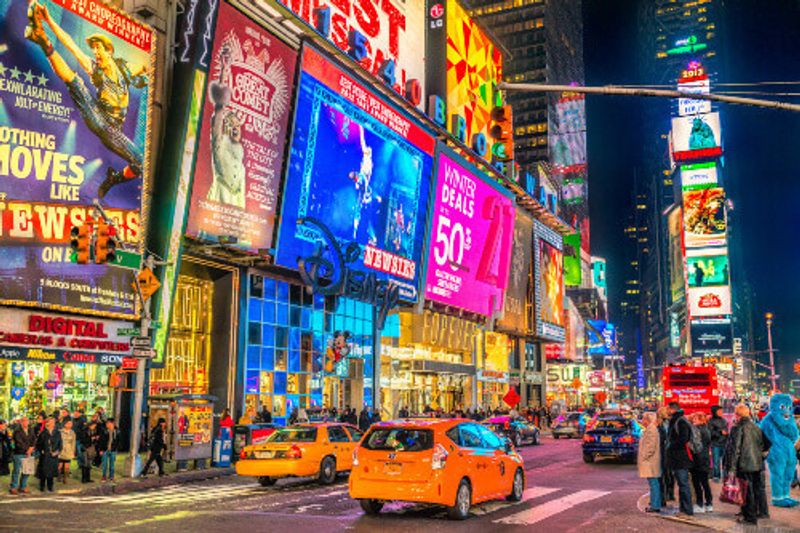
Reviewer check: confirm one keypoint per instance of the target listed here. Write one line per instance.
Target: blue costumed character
(780, 428)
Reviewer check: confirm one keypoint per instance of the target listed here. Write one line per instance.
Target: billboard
(676, 279)
(709, 301)
(76, 89)
(471, 236)
(704, 218)
(550, 296)
(388, 30)
(699, 176)
(243, 135)
(690, 106)
(361, 167)
(599, 273)
(572, 260)
(696, 137)
(515, 312)
(708, 267)
(711, 338)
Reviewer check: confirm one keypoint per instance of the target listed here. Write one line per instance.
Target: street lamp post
(769, 317)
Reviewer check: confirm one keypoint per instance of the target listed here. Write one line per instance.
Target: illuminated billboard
(708, 268)
(76, 92)
(599, 273)
(515, 312)
(676, 279)
(471, 236)
(709, 301)
(711, 338)
(240, 153)
(387, 30)
(704, 220)
(696, 137)
(699, 176)
(549, 274)
(362, 168)
(572, 260)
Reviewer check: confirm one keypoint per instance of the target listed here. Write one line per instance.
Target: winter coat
(701, 462)
(68, 441)
(156, 443)
(103, 441)
(23, 440)
(5, 453)
(678, 436)
(748, 448)
(364, 421)
(649, 456)
(662, 440)
(716, 426)
(49, 447)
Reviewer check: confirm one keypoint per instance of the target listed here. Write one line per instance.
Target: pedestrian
(107, 446)
(364, 420)
(48, 445)
(402, 413)
(248, 417)
(5, 449)
(667, 479)
(225, 420)
(38, 425)
(649, 460)
(718, 428)
(701, 465)
(157, 446)
(376, 416)
(302, 415)
(679, 435)
(24, 438)
(68, 448)
(747, 461)
(87, 439)
(265, 415)
(63, 416)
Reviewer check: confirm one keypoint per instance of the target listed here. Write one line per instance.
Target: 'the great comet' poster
(75, 83)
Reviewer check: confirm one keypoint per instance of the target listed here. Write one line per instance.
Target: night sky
(762, 161)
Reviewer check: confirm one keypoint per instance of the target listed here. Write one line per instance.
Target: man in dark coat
(5, 449)
(24, 438)
(679, 434)
(48, 444)
(364, 420)
(157, 446)
(747, 460)
(718, 427)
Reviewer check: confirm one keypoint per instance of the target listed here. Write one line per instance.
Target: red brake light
(507, 425)
(439, 457)
(627, 439)
(294, 452)
(588, 438)
(243, 455)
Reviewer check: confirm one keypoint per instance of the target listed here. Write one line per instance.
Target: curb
(679, 519)
(140, 485)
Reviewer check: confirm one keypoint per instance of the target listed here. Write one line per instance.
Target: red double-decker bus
(695, 388)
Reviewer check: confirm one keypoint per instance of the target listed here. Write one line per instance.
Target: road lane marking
(553, 507)
(527, 495)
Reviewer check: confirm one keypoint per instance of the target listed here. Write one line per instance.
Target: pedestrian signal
(502, 132)
(80, 242)
(105, 246)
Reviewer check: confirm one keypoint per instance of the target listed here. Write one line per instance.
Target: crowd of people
(687, 451)
(47, 446)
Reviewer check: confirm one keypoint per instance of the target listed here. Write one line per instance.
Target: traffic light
(80, 242)
(105, 246)
(502, 131)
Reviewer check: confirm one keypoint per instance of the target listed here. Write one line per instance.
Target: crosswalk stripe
(546, 510)
(529, 494)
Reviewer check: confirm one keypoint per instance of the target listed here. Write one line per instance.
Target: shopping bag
(733, 490)
(29, 466)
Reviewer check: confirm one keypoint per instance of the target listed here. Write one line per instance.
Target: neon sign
(687, 45)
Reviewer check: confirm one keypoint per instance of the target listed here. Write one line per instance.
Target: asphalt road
(563, 494)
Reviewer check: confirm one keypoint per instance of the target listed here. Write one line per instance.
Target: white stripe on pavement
(546, 510)
(529, 494)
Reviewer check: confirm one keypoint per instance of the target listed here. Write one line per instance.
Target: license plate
(269, 454)
(392, 469)
(605, 439)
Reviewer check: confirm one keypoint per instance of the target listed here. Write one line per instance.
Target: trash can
(223, 449)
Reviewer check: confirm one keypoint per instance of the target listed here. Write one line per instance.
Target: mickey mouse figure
(338, 349)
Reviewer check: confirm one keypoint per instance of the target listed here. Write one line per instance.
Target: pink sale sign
(472, 231)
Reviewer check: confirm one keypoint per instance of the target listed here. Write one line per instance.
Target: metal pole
(771, 354)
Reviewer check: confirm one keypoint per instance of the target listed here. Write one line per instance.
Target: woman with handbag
(49, 445)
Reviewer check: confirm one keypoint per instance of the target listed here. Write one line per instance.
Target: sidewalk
(724, 516)
(122, 483)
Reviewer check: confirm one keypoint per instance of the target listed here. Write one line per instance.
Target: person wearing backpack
(701, 463)
(679, 435)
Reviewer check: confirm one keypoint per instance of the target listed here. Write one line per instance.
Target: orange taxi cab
(451, 462)
(303, 450)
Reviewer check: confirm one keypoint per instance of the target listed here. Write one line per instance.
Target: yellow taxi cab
(302, 450)
(451, 462)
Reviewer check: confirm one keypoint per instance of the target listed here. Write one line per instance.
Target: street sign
(128, 332)
(129, 363)
(141, 342)
(147, 353)
(126, 259)
(148, 283)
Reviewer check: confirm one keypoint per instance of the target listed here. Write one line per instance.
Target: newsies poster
(75, 91)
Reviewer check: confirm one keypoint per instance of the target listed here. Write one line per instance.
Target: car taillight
(355, 456)
(588, 438)
(627, 439)
(506, 425)
(243, 454)
(439, 457)
(294, 452)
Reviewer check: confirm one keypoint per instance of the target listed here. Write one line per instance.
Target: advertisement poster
(551, 310)
(706, 270)
(75, 85)
(704, 218)
(689, 106)
(676, 279)
(242, 140)
(696, 137)
(53, 337)
(515, 314)
(572, 260)
(709, 301)
(360, 167)
(472, 232)
(711, 339)
(699, 176)
(392, 30)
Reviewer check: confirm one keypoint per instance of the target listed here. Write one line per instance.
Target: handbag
(733, 490)
(29, 466)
